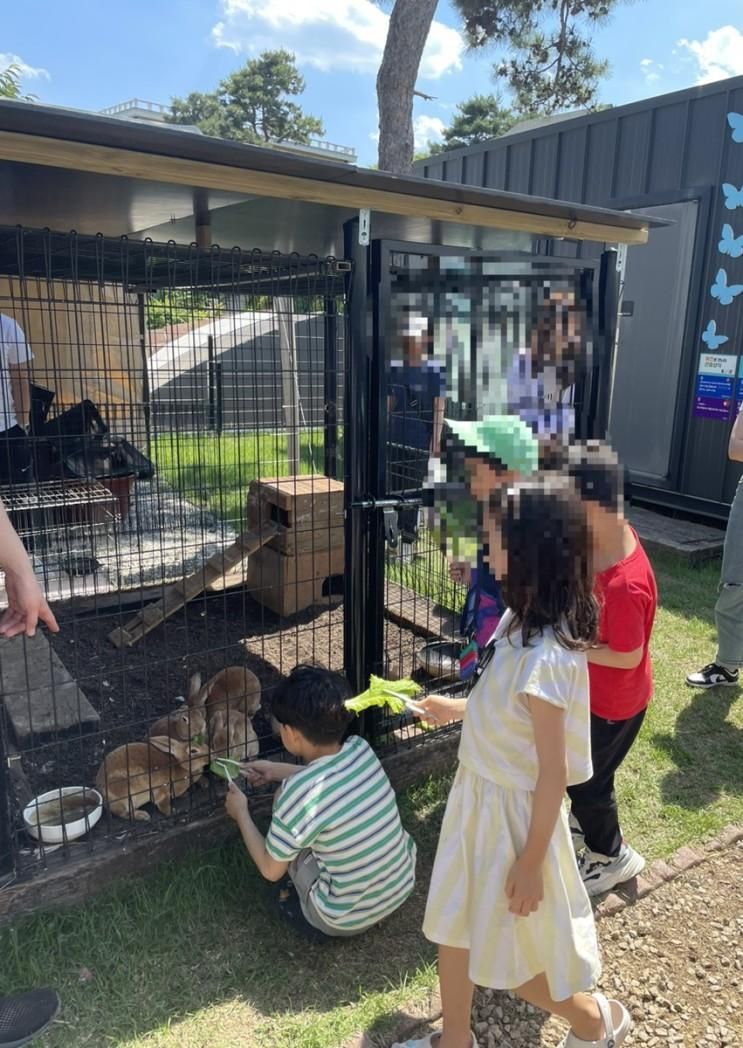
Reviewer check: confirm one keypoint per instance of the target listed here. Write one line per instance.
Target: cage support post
(211, 383)
(7, 860)
(358, 639)
(330, 386)
(289, 382)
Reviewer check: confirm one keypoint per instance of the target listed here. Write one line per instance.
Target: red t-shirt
(628, 597)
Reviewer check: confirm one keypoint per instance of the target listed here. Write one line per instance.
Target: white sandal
(427, 1042)
(617, 1021)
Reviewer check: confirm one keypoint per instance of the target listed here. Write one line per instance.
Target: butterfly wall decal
(735, 120)
(730, 243)
(733, 196)
(724, 292)
(710, 337)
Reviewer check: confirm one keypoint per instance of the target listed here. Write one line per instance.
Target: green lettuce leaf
(384, 693)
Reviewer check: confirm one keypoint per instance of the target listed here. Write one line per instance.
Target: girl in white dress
(507, 906)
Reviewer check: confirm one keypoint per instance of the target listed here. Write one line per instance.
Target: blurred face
(561, 341)
(484, 478)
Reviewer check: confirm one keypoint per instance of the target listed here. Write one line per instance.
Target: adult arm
(26, 603)
(735, 444)
(439, 409)
(20, 389)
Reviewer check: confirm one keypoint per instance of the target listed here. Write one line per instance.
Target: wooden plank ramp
(419, 614)
(221, 564)
(40, 696)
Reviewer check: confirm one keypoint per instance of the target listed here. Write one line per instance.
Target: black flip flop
(287, 905)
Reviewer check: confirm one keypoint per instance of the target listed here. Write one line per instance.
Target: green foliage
(177, 306)
(10, 85)
(552, 66)
(252, 104)
(478, 119)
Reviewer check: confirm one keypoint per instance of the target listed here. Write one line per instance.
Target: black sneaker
(713, 676)
(24, 1016)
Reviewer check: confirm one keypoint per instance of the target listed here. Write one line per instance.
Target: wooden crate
(307, 511)
(289, 584)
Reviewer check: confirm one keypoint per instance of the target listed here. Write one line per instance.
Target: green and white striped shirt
(343, 808)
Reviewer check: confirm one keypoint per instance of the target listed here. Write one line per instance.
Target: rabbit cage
(172, 390)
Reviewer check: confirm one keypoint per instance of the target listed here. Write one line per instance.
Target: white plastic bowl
(57, 834)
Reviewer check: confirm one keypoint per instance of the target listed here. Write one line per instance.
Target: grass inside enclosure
(215, 471)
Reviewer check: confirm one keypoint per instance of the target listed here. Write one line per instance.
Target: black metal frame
(366, 406)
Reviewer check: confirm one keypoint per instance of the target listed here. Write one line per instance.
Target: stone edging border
(656, 875)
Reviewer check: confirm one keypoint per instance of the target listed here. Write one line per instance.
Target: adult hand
(258, 773)
(524, 888)
(235, 803)
(26, 605)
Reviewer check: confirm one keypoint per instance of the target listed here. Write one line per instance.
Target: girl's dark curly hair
(549, 578)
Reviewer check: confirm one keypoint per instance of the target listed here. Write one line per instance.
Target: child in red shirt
(620, 672)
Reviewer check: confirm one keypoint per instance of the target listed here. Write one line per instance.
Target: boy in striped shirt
(335, 828)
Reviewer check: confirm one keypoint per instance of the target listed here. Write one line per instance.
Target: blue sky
(154, 49)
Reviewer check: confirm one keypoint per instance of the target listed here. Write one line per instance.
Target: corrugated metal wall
(674, 147)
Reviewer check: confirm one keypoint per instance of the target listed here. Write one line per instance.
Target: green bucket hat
(505, 437)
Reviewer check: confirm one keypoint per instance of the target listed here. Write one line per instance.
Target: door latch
(391, 530)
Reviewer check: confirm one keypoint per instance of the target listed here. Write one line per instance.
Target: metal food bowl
(50, 819)
(440, 659)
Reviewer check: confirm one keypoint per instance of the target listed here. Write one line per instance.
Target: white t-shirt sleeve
(549, 675)
(13, 342)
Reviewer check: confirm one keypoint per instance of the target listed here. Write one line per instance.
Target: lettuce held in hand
(391, 694)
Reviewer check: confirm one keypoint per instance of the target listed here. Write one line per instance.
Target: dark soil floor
(130, 688)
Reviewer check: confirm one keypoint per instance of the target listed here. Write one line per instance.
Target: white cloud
(427, 129)
(719, 55)
(328, 34)
(27, 72)
(651, 70)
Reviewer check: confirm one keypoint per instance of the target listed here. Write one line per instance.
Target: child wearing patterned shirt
(336, 829)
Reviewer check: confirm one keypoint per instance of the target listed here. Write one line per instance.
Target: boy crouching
(335, 828)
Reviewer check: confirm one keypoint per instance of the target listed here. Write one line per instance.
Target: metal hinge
(364, 226)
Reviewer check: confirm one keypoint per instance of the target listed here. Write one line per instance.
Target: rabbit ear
(196, 694)
(163, 743)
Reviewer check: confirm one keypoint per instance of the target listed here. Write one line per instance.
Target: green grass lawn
(216, 471)
(190, 957)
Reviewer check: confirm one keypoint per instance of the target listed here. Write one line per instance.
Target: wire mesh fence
(179, 488)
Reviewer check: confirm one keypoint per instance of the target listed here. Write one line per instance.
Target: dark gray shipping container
(669, 156)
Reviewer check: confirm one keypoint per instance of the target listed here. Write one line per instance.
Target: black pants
(407, 469)
(15, 457)
(594, 803)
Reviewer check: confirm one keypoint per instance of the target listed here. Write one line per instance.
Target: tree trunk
(410, 23)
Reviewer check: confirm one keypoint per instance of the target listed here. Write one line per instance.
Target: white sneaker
(617, 1023)
(576, 834)
(601, 873)
(427, 1042)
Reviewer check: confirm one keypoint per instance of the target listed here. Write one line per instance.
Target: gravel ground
(675, 959)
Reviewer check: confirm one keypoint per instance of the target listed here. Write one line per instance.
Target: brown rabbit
(156, 770)
(188, 721)
(233, 696)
